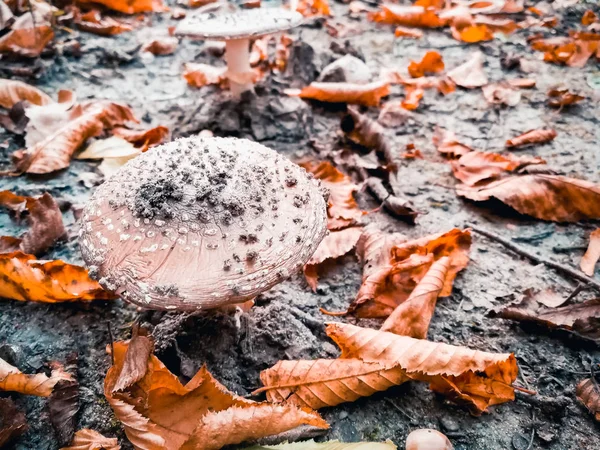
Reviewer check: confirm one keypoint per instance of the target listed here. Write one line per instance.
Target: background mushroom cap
(202, 222)
(242, 24)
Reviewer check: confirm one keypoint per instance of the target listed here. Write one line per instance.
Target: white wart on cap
(236, 29)
(202, 222)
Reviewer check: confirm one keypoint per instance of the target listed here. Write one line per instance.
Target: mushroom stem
(237, 54)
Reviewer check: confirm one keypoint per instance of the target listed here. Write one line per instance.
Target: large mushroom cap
(242, 24)
(202, 222)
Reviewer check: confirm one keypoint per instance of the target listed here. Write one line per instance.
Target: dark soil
(286, 322)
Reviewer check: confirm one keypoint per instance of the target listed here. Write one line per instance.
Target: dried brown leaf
(86, 439)
(12, 91)
(560, 98)
(93, 22)
(361, 94)
(198, 75)
(12, 379)
(63, 403)
(160, 47)
(470, 75)
(501, 94)
(12, 422)
(447, 144)
(539, 136)
(129, 6)
(143, 138)
(29, 35)
(430, 64)
(592, 255)
(589, 396)
(547, 197)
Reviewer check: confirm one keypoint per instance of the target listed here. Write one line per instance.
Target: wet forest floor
(286, 322)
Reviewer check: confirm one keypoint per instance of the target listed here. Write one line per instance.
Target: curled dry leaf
(12, 92)
(501, 94)
(572, 51)
(410, 16)
(392, 268)
(547, 197)
(64, 402)
(44, 219)
(12, 379)
(12, 422)
(143, 138)
(592, 255)
(87, 439)
(539, 136)
(470, 75)
(431, 63)
(28, 36)
(55, 151)
(93, 22)
(412, 317)
(580, 318)
(342, 209)
(27, 279)
(369, 94)
(477, 166)
(335, 244)
(157, 411)
(163, 46)
(447, 144)
(129, 6)
(589, 395)
(562, 97)
(373, 361)
(198, 75)
(413, 98)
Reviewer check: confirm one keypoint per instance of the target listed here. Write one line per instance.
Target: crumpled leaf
(12, 91)
(579, 318)
(12, 379)
(334, 245)
(589, 17)
(375, 360)
(55, 151)
(27, 279)
(470, 75)
(539, 136)
(393, 266)
(12, 422)
(562, 97)
(572, 51)
(413, 98)
(160, 47)
(44, 219)
(589, 395)
(63, 404)
(342, 209)
(447, 144)
(143, 139)
(501, 94)
(28, 36)
(408, 15)
(369, 94)
(412, 317)
(198, 75)
(93, 22)
(547, 197)
(430, 64)
(157, 411)
(329, 445)
(477, 166)
(592, 254)
(86, 439)
(129, 6)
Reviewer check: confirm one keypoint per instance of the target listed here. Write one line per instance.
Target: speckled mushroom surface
(202, 222)
(242, 24)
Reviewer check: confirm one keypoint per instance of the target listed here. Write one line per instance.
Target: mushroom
(236, 29)
(427, 439)
(200, 223)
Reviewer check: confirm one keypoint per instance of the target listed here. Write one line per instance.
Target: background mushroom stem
(237, 53)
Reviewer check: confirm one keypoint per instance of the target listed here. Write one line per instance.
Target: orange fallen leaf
(447, 144)
(362, 94)
(393, 266)
(43, 217)
(309, 8)
(28, 35)
(470, 75)
(592, 255)
(157, 411)
(93, 22)
(408, 32)
(12, 91)
(477, 166)
(12, 379)
(412, 317)
(589, 395)
(163, 46)
(431, 63)
(539, 136)
(373, 361)
(129, 6)
(547, 197)
(143, 138)
(86, 439)
(342, 209)
(589, 17)
(55, 151)
(198, 75)
(27, 279)
(562, 97)
(334, 245)
(410, 16)
(472, 33)
(501, 93)
(413, 98)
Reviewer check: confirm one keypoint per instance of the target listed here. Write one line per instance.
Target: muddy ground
(286, 322)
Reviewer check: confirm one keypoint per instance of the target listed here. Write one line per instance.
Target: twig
(112, 343)
(537, 259)
(532, 430)
(580, 287)
(522, 375)
(400, 410)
